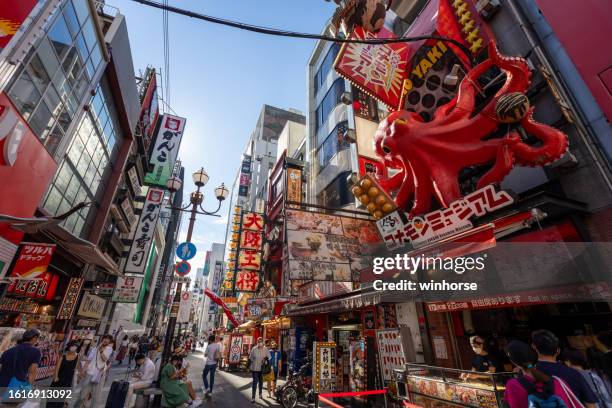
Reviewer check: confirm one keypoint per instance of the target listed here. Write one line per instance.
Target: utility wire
(293, 34)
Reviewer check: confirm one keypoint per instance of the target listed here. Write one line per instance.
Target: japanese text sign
(165, 150)
(143, 237)
(378, 69)
(91, 306)
(71, 297)
(324, 366)
(235, 348)
(127, 289)
(33, 260)
(247, 281)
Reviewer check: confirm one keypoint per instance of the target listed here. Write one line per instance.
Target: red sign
(378, 69)
(183, 268)
(251, 240)
(247, 281)
(149, 111)
(26, 168)
(33, 260)
(12, 15)
(40, 289)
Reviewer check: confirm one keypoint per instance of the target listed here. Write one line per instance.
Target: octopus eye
(386, 149)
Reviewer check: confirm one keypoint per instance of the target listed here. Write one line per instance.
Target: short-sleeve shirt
(16, 362)
(96, 362)
(257, 356)
(211, 350)
(148, 370)
(275, 357)
(484, 363)
(572, 378)
(516, 395)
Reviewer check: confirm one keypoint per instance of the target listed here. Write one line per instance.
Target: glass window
(38, 74)
(61, 84)
(71, 19)
(71, 192)
(52, 100)
(89, 174)
(41, 121)
(82, 195)
(48, 57)
(70, 222)
(64, 119)
(24, 95)
(71, 103)
(80, 44)
(62, 178)
(97, 101)
(333, 144)
(336, 194)
(63, 207)
(96, 181)
(90, 35)
(326, 66)
(60, 37)
(78, 226)
(83, 163)
(53, 200)
(111, 142)
(82, 10)
(71, 58)
(86, 128)
(96, 56)
(74, 153)
(53, 139)
(92, 144)
(329, 102)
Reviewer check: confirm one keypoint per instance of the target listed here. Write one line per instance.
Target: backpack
(541, 396)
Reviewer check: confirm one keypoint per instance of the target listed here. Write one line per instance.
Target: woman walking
(123, 349)
(132, 349)
(65, 372)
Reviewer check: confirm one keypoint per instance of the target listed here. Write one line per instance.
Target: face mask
(73, 348)
(477, 349)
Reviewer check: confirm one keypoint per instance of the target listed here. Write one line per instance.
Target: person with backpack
(532, 388)
(575, 359)
(546, 344)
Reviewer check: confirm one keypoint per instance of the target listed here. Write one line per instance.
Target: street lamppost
(200, 178)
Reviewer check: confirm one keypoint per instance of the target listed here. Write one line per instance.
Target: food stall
(438, 387)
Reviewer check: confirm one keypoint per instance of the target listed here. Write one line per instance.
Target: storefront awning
(83, 250)
(354, 300)
(247, 325)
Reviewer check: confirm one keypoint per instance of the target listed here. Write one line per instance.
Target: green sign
(165, 151)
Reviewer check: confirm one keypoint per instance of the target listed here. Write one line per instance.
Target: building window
(85, 169)
(333, 143)
(329, 102)
(336, 194)
(326, 66)
(54, 79)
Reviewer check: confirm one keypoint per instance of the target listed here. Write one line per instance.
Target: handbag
(265, 367)
(574, 401)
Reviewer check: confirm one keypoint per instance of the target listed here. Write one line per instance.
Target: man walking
(213, 355)
(20, 363)
(257, 356)
(95, 367)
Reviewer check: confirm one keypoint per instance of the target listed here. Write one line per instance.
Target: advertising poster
(127, 289)
(166, 148)
(324, 368)
(235, 351)
(43, 287)
(12, 15)
(294, 185)
(149, 111)
(137, 258)
(324, 247)
(33, 260)
(390, 352)
(357, 364)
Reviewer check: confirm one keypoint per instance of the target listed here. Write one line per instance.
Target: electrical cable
(293, 34)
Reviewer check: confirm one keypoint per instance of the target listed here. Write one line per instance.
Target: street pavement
(231, 389)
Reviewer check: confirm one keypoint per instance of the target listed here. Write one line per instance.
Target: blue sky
(220, 77)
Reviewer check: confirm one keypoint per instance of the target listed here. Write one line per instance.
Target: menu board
(390, 352)
(357, 362)
(324, 369)
(475, 395)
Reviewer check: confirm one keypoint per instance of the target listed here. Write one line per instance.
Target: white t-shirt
(148, 370)
(257, 356)
(211, 350)
(96, 364)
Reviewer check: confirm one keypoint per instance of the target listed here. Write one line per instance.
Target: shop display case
(439, 387)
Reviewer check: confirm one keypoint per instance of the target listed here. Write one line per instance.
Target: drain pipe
(583, 132)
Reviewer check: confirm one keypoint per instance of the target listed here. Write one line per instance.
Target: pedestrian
(133, 349)
(275, 365)
(256, 358)
(176, 391)
(575, 359)
(123, 349)
(143, 344)
(213, 357)
(533, 388)
(483, 361)
(143, 378)
(546, 344)
(603, 342)
(65, 371)
(94, 370)
(20, 363)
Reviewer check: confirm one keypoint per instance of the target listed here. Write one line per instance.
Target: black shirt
(16, 362)
(483, 363)
(572, 377)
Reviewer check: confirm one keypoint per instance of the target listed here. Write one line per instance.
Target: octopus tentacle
(554, 143)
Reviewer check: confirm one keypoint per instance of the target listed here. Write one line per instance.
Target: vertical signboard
(149, 110)
(324, 369)
(143, 237)
(166, 149)
(235, 348)
(245, 176)
(12, 14)
(294, 185)
(249, 257)
(184, 308)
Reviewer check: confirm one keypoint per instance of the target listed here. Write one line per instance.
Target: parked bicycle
(295, 389)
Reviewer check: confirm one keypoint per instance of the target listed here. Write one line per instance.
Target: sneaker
(196, 402)
(252, 400)
(208, 394)
(260, 396)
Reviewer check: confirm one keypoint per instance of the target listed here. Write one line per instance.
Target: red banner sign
(33, 260)
(378, 69)
(247, 281)
(12, 15)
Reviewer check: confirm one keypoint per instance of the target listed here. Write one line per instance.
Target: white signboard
(166, 149)
(126, 206)
(390, 352)
(143, 237)
(235, 349)
(133, 176)
(184, 308)
(92, 306)
(127, 289)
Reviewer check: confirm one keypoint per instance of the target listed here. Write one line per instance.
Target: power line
(293, 34)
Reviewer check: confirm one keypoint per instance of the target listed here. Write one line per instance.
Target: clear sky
(219, 79)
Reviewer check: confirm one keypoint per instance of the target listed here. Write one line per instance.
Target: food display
(445, 387)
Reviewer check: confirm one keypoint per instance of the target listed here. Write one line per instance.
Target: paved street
(230, 390)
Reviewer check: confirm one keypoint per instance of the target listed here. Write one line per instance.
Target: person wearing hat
(20, 362)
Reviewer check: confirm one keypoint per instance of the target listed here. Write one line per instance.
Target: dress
(174, 391)
(65, 378)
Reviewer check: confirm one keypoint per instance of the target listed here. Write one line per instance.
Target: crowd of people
(546, 373)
